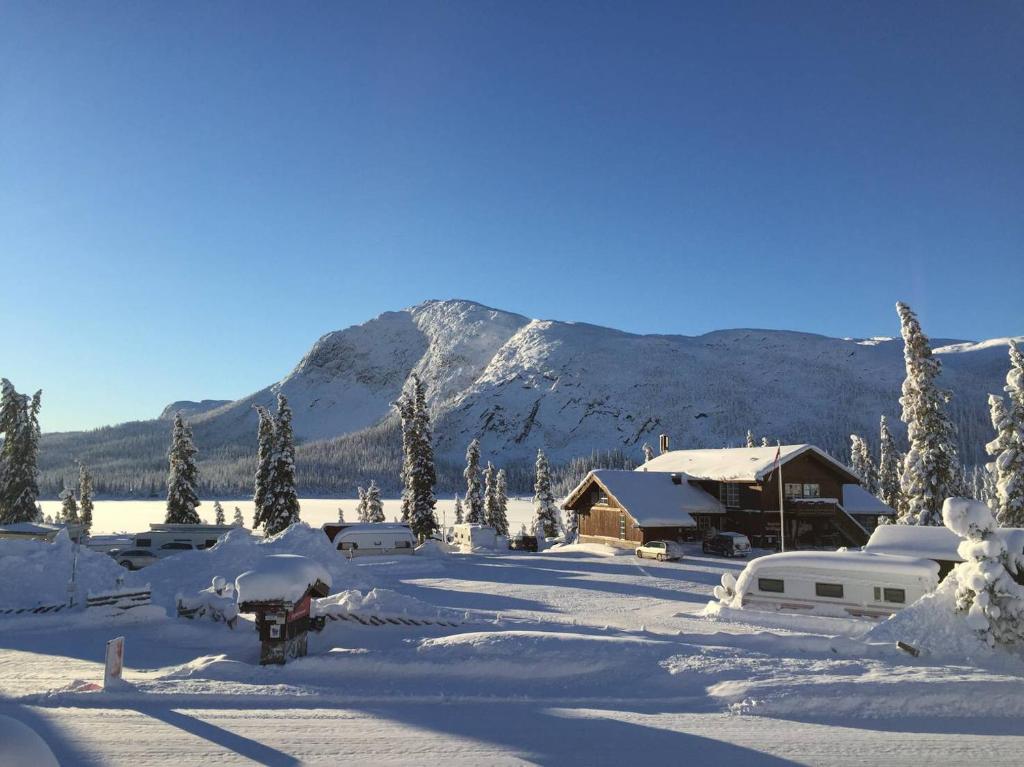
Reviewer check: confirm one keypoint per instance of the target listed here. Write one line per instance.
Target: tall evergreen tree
(458, 510)
(490, 495)
(285, 499)
(262, 494)
(648, 452)
(764, 442)
(929, 466)
(85, 497)
(218, 513)
(374, 505)
(183, 476)
(407, 414)
(888, 466)
(1007, 449)
(238, 520)
(545, 510)
(500, 521)
(862, 464)
(361, 515)
(423, 520)
(474, 498)
(68, 507)
(341, 515)
(750, 439)
(19, 456)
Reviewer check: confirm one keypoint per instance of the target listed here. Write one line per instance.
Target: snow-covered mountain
(574, 388)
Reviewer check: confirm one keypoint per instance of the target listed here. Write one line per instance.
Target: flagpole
(782, 519)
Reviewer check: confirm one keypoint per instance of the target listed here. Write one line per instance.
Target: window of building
(794, 490)
(830, 590)
(729, 494)
(772, 585)
(598, 496)
(812, 490)
(622, 527)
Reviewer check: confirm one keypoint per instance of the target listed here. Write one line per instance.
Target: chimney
(663, 443)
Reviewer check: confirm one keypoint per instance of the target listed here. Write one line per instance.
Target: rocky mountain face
(571, 388)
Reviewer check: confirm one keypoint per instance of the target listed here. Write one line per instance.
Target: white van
(837, 583)
(363, 538)
(474, 536)
(164, 539)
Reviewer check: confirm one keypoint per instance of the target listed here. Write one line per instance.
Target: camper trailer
(474, 536)
(363, 538)
(164, 539)
(838, 583)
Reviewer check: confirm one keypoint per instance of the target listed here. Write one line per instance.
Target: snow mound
(932, 623)
(21, 745)
(591, 549)
(433, 548)
(37, 572)
(381, 602)
(280, 576)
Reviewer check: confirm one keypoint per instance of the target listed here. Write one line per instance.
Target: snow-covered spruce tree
(986, 589)
(218, 513)
(888, 466)
(750, 439)
(862, 464)
(284, 508)
(238, 520)
(19, 424)
(928, 469)
(418, 473)
(764, 442)
(1007, 449)
(361, 515)
(500, 522)
(85, 497)
(545, 509)
(182, 477)
(374, 505)
(490, 494)
(262, 495)
(474, 498)
(648, 452)
(458, 510)
(68, 506)
(341, 515)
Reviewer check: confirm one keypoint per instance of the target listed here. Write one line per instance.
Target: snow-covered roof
(652, 498)
(280, 576)
(857, 500)
(938, 543)
(856, 561)
(30, 528)
(733, 464)
(369, 527)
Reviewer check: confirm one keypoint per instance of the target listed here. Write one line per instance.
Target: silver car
(660, 550)
(133, 559)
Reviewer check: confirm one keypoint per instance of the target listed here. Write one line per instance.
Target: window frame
(762, 581)
(821, 589)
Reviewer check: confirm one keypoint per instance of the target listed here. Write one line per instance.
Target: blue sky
(192, 193)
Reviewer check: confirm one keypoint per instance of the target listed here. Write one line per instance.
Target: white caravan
(363, 538)
(164, 539)
(474, 536)
(838, 583)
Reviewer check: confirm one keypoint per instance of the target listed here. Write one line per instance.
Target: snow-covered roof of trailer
(939, 543)
(733, 464)
(855, 561)
(857, 500)
(653, 499)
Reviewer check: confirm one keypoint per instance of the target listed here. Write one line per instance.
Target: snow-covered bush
(987, 592)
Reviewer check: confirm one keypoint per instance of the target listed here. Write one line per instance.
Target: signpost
(114, 663)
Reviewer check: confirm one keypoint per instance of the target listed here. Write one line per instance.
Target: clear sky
(192, 193)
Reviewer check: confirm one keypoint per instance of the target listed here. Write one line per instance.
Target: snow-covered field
(135, 516)
(580, 655)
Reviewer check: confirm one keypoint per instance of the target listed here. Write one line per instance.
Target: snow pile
(20, 745)
(218, 601)
(381, 602)
(37, 573)
(284, 577)
(589, 549)
(433, 548)
(237, 552)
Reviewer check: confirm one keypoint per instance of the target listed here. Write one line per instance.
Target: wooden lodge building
(686, 494)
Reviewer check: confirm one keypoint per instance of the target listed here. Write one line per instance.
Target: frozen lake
(136, 515)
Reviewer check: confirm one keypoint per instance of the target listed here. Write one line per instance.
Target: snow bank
(433, 548)
(381, 602)
(591, 549)
(21, 745)
(37, 573)
(280, 576)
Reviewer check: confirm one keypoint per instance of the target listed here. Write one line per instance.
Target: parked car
(660, 550)
(133, 559)
(523, 543)
(727, 545)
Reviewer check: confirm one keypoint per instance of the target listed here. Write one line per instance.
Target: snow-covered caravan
(840, 583)
(169, 537)
(474, 536)
(363, 538)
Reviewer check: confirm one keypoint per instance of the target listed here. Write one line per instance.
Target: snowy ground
(579, 656)
(134, 515)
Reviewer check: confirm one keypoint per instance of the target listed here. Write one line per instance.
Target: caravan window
(830, 590)
(773, 585)
(403, 545)
(144, 543)
(347, 546)
(899, 596)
